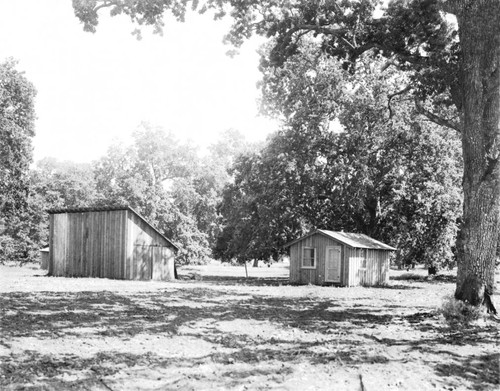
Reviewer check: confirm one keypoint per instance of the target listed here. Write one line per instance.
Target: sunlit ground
(217, 329)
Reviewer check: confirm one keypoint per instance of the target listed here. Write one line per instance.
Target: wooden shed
(339, 258)
(108, 242)
(44, 258)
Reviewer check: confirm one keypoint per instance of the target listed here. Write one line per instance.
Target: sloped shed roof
(106, 209)
(351, 239)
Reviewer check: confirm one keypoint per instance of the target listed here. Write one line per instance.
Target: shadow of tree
(49, 314)
(396, 287)
(250, 281)
(433, 279)
(482, 371)
(339, 333)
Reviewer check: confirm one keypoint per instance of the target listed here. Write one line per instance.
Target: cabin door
(332, 263)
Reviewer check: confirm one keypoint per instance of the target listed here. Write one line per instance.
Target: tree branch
(105, 4)
(435, 118)
(319, 29)
(404, 90)
(387, 64)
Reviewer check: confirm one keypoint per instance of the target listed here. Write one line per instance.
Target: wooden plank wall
(163, 263)
(149, 255)
(354, 265)
(385, 265)
(294, 264)
(108, 244)
(88, 244)
(316, 276)
(368, 267)
(44, 260)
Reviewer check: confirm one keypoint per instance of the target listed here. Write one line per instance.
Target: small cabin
(108, 242)
(339, 258)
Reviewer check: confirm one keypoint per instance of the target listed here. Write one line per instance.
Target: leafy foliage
(380, 171)
(164, 180)
(17, 115)
(148, 176)
(170, 186)
(459, 314)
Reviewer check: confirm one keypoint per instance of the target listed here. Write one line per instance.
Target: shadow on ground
(414, 277)
(231, 280)
(339, 326)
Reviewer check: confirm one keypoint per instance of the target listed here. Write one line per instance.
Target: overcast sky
(96, 88)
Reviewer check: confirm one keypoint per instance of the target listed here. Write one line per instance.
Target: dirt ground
(217, 330)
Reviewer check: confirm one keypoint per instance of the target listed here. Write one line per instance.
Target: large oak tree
(455, 67)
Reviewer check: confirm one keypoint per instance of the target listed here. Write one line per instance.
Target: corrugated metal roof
(351, 239)
(357, 240)
(106, 209)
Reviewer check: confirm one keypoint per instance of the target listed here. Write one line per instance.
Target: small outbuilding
(339, 258)
(44, 258)
(109, 242)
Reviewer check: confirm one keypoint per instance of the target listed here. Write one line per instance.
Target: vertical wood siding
(368, 267)
(110, 244)
(87, 244)
(149, 256)
(163, 266)
(316, 276)
(294, 264)
(44, 260)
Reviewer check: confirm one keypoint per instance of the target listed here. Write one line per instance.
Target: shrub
(458, 313)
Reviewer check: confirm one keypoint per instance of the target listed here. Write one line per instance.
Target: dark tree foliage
(17, 116)
(384, 173)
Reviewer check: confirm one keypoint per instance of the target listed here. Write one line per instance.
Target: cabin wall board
(368, 267)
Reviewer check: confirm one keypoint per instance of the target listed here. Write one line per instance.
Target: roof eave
(324, 233)
(156, 230)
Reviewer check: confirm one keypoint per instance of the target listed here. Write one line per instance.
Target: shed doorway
(332, 263)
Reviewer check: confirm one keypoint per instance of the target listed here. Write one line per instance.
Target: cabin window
(309, 258)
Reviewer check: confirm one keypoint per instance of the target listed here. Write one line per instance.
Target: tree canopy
(17, 116)
(450, 66)
(384, 172)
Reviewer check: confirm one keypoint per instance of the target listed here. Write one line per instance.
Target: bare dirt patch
(216, 329)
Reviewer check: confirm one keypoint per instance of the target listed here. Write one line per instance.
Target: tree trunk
(479, 28)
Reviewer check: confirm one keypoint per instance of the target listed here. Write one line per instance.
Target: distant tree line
(164, 180)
